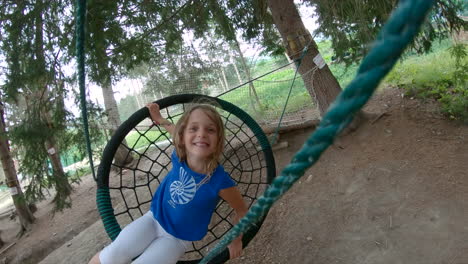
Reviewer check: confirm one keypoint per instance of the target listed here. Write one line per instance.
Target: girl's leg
(131, 242)
(95, 259)
(166, 249)
(163, 250)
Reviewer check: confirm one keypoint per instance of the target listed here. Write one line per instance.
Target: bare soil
(394, 191)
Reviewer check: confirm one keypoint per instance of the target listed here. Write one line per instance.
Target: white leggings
(145, 238)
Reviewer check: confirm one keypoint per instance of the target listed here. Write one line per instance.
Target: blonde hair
(181, 125)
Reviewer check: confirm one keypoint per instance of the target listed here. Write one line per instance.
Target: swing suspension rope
(399, 31)
(80, 57)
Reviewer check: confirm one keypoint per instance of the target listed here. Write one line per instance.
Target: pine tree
(33, 38)
(25, 216)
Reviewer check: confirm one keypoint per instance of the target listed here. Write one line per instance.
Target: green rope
(399, 31)
(80, 38)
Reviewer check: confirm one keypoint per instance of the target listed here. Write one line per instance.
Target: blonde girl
(185, 200)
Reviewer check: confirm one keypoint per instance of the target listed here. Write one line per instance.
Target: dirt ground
(394, 191)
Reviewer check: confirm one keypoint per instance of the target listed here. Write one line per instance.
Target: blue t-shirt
(183, 203)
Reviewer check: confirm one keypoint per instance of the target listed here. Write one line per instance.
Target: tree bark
(63, 187)
(322, 85)
(247, 72)
(233, 61)
(141, 100)
(224, 79)
(122, 156)
(220, 80)
(24, 214)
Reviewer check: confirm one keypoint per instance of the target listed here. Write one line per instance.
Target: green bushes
(441, 75)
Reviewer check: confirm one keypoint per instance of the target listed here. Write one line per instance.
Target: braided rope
(80, 57)
(399, 31)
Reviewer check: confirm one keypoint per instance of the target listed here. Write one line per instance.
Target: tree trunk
(139, 101)
(220, 80)
(160, 94)
(233, 61)
(62, 186)
(140, 95)
(111, 106)
(224, 79)
(322, 85)
(247, 72)
(122, 156)
(24, 214)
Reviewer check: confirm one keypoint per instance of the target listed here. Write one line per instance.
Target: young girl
(185, 200)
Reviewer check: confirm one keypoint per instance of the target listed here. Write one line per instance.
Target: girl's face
(200, 136)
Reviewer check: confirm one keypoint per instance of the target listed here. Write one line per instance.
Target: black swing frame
(103, 197)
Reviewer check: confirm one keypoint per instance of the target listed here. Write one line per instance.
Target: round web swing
(125, 192)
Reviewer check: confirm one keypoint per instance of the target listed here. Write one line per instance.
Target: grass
(440, 75)
(137, 141)
(272, 91)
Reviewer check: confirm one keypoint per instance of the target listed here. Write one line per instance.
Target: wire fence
(263, 96)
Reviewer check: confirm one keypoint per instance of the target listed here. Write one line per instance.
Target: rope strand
(80, 57)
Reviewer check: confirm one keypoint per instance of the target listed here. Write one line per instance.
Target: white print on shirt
(183, 190)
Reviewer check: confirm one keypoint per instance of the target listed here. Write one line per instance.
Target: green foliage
(344, 73)
(352, 25)
(35, 41)
(326, 51)
(464, 7)
(458, 51)
(441, 75)
(455, 101)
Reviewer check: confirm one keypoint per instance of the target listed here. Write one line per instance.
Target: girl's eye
(192, 129)
(211, 130)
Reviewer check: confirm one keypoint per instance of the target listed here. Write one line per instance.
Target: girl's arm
(157, 118)
(234, 199)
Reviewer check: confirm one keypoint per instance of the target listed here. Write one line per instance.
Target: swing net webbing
(125, 191)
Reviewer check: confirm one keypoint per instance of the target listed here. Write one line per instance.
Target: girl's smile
(200, 136)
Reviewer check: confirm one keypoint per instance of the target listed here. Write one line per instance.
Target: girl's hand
(234, 198)
(155, 112)
(235, 248)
